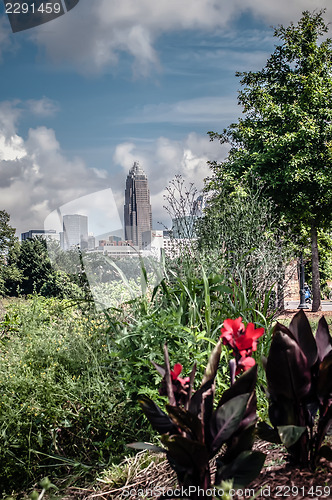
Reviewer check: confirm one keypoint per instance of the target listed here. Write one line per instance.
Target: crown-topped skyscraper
(137, 207)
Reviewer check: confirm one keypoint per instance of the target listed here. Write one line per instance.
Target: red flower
(248, 340)
(242, 340)
(237, 336)
(244, 364)
(176, 372)
(231, 330)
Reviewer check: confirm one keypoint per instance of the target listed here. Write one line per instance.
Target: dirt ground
(310, 315)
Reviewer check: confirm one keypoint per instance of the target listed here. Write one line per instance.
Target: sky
(85, 95)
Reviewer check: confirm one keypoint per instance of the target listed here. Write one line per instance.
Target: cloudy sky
(85, 95)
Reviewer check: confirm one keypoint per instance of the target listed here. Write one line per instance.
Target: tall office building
(137, 207)
(75, 231)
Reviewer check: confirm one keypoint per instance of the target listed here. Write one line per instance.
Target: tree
(241, 232)
(285, 136)
(8, 243)
(35, 265)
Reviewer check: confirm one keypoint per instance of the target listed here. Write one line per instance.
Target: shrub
(61, 407)
(298, 372)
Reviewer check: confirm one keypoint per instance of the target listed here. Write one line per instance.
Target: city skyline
(89, 93)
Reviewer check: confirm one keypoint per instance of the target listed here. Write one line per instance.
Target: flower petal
(176, 371)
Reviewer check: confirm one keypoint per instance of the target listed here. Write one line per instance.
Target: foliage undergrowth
(61, 408)
(71, 377)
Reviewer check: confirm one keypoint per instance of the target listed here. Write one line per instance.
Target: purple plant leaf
(159, 420)
(168, 378)
(244, 469)
(186, 452)
(324, 383)
(226, 420)
(213, 363)
(160, 369)
(287, 370)
(246, 383)
(195, 405)
(191, 386)
(323, 339)
(302, 333)
(188, 422)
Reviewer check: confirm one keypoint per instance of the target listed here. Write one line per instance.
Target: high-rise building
(137, 207)
(47, 234)
(75, 231)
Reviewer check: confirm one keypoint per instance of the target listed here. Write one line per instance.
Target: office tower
(137, 207)
(75, 231)
(47, 234)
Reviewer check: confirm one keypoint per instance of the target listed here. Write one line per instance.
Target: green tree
(285, 135)
(35, 266)
(8, 242)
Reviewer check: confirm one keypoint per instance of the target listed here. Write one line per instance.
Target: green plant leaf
(290, 434)
(244, 469)
(146, 446)
(301, 331)
(226, 420)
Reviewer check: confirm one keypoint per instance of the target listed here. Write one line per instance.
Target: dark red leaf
(323, 339)
(246, 383)
(301, 331)
(187, 421)
(213, 363)
(324, 384)
(168, 378)
(159, 420)
(287, 369)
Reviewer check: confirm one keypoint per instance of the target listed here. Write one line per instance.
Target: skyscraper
(75, 231)
(137, 207)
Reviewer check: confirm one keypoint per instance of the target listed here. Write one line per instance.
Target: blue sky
(85, 95)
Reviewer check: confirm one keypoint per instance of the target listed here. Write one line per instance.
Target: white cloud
(42, 107)
(94, 34)
(164, 158)
(199, 110)
(36, 176)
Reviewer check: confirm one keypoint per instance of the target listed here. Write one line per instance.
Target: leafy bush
(298, 371)
(193, 431)
(60, 403)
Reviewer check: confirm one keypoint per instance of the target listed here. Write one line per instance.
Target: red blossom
(176, 372)
(248, 339)
(244, 364)
(242, 340)
(231, 330)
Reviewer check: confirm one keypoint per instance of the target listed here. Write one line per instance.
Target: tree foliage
(285, 135)
(8, 244)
